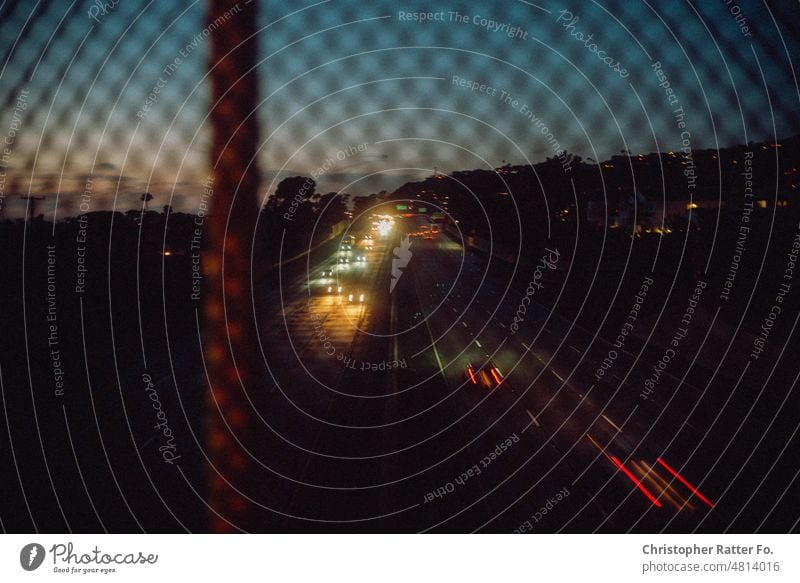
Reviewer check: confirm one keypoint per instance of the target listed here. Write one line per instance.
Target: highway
(429, 408)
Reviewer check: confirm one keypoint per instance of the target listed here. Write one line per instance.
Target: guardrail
(498, 251)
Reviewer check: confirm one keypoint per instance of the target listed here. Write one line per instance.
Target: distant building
(632, 211)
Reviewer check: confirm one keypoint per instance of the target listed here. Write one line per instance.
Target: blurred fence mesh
(120, 92)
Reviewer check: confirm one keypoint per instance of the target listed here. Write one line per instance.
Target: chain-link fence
(326, 266)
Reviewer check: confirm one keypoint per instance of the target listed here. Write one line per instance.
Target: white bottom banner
(370, 558)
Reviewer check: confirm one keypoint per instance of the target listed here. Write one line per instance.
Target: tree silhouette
(290, 191)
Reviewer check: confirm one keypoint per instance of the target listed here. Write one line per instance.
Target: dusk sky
(339, 73)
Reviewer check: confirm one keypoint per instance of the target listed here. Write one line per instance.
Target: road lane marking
(526, 346)
(558, 376)
(478, 343)
(610, 422)
(533, 419)
(575, 349)
(464, 324)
